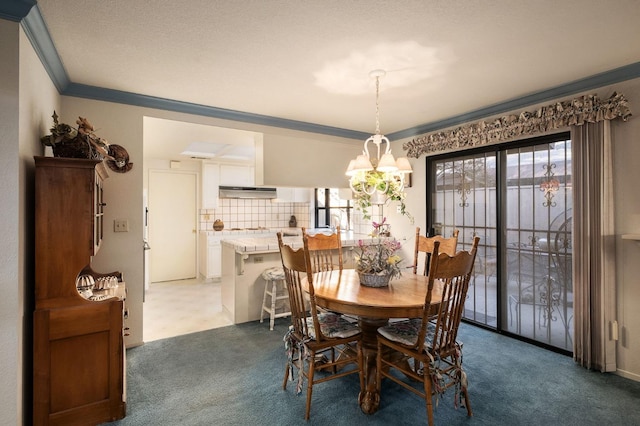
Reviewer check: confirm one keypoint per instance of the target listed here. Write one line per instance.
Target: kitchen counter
(241, 232)
(270, 244)
(244, 260)
(210, 251)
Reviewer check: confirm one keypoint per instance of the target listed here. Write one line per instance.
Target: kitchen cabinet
(237, 175)
(210, 256)
(294, 195)
(210, 181)
(78, 330)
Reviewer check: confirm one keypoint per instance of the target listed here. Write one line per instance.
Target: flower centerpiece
(377, 263)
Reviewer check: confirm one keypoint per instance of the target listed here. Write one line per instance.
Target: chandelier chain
(377, 105)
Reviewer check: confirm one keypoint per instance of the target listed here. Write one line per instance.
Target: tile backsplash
(255, 213)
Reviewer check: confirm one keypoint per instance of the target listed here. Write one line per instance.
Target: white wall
(11, 328)
(308, 161)
(27, 100)
(626, 147)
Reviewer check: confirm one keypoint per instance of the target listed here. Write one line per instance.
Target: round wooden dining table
(341, 291)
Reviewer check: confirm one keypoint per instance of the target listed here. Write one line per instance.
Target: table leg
(369, 398)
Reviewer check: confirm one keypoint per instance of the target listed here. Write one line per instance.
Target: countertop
(239, 233)
(270, 244)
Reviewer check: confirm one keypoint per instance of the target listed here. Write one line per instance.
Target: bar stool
(273, 277)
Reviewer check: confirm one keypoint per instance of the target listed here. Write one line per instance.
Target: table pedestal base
(369, 398)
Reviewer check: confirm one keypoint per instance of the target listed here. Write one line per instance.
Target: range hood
(247, 192)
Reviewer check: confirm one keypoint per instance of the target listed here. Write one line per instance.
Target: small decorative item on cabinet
(293, 222)
(81, 142)
(218, 225)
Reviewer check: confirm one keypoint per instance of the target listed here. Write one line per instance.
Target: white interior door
(172, 225)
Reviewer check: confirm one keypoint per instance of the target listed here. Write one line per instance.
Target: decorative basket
(374, 280)
(76, 148)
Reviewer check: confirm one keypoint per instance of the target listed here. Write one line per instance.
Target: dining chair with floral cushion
(431, 341)
(314, 333)
(424, 248)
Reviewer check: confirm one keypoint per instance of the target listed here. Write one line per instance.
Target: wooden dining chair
(313, 333)
(430, 342)
(424, 248)
(325, 250)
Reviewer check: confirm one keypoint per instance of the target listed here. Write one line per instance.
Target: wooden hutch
(79, 355)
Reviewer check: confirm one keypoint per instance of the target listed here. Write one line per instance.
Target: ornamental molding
(575, 112)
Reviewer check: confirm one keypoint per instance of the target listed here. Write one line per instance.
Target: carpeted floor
(233, 376)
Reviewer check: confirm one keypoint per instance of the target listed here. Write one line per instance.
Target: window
(331, 210)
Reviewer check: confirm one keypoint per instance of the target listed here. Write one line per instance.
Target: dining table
(340, 291)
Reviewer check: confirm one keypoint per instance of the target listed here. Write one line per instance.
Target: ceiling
(290, 62)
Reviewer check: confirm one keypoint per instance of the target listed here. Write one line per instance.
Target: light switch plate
(120, 225)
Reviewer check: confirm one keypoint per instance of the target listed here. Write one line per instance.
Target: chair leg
(312, 368)
(286, 376)
(465, 392)
(428, 394)
(264, 300)
(272, 315)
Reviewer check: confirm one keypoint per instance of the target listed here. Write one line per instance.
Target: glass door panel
(538, 290)
(465, 199)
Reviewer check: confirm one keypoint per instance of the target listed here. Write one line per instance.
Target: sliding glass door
(517, 198)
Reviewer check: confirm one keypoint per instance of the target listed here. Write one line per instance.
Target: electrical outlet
(120, 225)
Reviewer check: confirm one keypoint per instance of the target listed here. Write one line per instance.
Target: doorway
(518, 198)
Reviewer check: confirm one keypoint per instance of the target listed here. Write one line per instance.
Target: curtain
(593, 247)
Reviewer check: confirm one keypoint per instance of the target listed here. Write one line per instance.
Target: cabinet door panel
(209, 185)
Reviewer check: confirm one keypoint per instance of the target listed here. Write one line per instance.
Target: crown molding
(38, 34)
(110, 95)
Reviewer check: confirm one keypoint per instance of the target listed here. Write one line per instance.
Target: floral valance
(585, 109)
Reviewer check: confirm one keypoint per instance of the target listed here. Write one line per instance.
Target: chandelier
(383, 176)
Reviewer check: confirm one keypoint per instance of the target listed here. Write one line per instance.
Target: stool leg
(274, 292)
(264, 300)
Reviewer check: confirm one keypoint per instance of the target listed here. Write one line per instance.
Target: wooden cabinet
(79, 356)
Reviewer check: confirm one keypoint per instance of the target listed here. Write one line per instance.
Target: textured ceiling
(309, 61)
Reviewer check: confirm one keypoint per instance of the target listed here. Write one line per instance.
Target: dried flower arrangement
(82, 142)
(379, 258)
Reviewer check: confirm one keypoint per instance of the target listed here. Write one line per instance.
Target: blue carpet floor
(233, 376)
